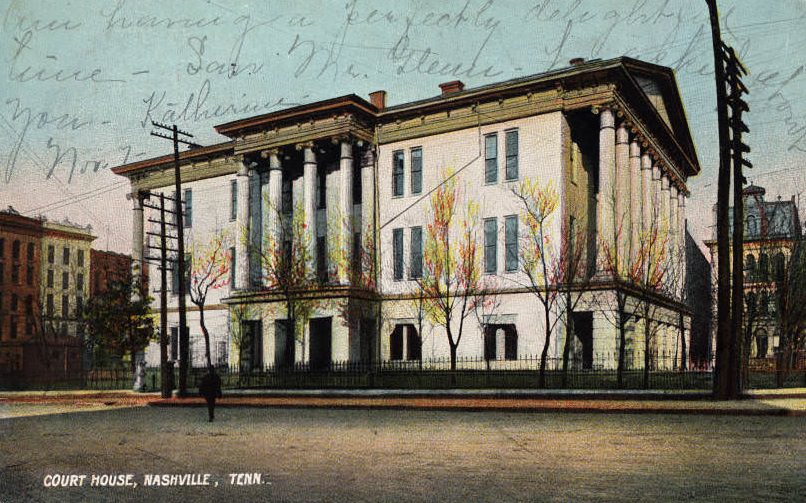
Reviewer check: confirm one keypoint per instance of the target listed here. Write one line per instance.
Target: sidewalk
(776, 402)
(622, 402)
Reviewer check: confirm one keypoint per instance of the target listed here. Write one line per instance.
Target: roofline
(187, 155)
(354, 103)
(234, 128)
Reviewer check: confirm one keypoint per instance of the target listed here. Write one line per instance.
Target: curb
(462, 406)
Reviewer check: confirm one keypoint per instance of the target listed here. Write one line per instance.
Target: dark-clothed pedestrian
(210, 389)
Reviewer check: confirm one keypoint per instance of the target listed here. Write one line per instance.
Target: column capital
(665, 183)
(137, 197)
(305, 145)
(606, 116)
(656, 172)
(346, 150)
(646, 160)
(342, 138)
(273, 155)
(635, 147)
(269, 152)
(622, 133)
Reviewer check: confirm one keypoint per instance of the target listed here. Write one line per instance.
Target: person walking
(210, 389)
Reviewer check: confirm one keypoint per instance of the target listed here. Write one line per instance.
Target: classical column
(647, 191)
(346, 206)
(367, 189)
(635, 198)
(275, 198)
(606, 197)
(664, 222)
(656, 190)
(681, 239)
(646, 195)
(309, 201)
(681, 216)
(622, 194)
(674, 231)
(256, 188)
(137, 241)
(242, 261)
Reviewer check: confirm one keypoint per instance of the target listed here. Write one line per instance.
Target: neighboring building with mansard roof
(772, 229)
(612, 137)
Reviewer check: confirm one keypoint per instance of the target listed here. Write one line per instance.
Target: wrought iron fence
(667, 372)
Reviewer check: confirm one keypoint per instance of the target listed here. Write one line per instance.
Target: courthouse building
(611, 136)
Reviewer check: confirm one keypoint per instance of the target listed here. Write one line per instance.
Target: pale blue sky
(81, 78)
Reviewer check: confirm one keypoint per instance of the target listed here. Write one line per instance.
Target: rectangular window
(232, 267)
(511, 246)
(413, 344)
(397, 246)
(397, 173)
(175, 276)
(29, 275)
(2, 273)
(65, 281)
(66, 256)
(80, 258)
(79, 306)
(416, 170)
(50, 278)
(14, 303)
(321, 259)
(50, 305)
(416, 265)
(512, 155)
(188, 207)
(65, 306)
(80, 282)
(30, 252)
(15, 274)
(396, 343)
(321, 188)
(188, 268)
(15, 250)
(491, 158)
(357, 185)
(490, 245)
(357, 258)
(2, 247)
(174, 343)
(233, 200)
(287, 195)
(51, 254)
(13, 327)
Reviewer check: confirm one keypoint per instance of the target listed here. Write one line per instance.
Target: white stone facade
(341, 158)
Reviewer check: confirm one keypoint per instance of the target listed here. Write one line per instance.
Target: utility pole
(166, 370)
(184, 338)
(734, 72)
(728, 71)
(724, 339)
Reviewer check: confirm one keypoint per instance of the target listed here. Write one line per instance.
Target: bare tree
(209, 269)
(451, 285)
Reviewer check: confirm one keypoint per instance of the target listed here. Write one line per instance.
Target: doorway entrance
(321, 343)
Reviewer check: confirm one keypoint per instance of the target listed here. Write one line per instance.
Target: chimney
(453, 86)
(378, 98)
(577, 61)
